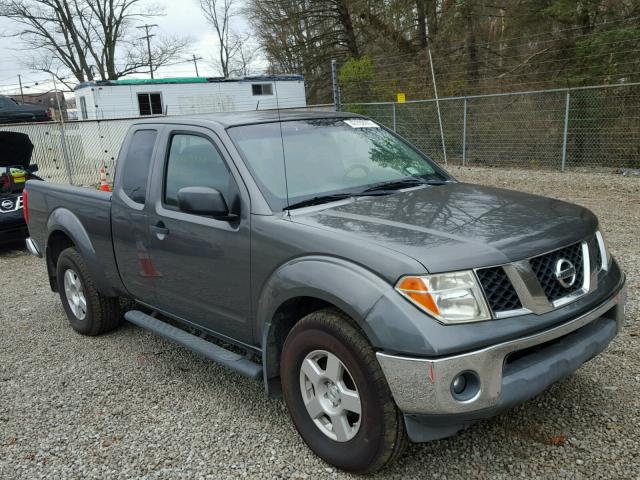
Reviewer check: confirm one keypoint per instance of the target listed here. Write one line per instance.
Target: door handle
(160, 230)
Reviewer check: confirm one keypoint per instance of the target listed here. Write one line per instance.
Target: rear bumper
(32, 246)
(508, 373)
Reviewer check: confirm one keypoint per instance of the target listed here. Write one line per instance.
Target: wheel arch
(304, 285)
(66, 230)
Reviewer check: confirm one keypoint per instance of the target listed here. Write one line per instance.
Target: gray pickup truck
(326, 256)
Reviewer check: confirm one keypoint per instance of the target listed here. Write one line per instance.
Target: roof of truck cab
(233, 119)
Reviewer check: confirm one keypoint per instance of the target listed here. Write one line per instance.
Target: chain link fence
(561, 128)
(74, 152)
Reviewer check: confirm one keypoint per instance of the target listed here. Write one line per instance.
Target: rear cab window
(136, 169)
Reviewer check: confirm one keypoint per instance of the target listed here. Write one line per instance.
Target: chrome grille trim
(602, 251)
(531, 294)
(586, 280)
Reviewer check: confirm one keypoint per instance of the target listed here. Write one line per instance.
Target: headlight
(449, 297)
(604, 257)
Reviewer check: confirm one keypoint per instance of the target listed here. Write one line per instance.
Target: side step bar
(210, 350)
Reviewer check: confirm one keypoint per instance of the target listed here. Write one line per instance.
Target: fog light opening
(459, 384)
(465, 386)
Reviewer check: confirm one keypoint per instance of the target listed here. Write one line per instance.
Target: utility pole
(21, 92)
(147, 36)
(195, 63)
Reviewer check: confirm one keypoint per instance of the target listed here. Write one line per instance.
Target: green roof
(183, 80)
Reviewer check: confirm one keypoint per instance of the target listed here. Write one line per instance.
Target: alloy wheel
(330, 395)
(75, 294)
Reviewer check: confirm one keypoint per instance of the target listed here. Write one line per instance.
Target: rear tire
(324, 342)
(89, 312)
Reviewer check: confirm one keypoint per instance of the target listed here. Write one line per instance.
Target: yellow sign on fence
(401, 97)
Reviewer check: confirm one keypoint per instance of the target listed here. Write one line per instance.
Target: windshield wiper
(436, 181)
(319, 199)
(332, 198)
(405, 183)
(396, 184)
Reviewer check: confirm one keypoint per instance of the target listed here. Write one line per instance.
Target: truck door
(202, 263)
(129, 219)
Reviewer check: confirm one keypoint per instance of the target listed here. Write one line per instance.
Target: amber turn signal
(417, 291)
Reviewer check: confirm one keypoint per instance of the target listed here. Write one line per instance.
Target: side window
(195, 162)
(83, 108)
(137, 162)
(262, 89)
(150, 104)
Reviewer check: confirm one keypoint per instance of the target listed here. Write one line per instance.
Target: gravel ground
(129, 404)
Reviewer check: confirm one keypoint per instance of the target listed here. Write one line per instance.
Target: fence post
(63, 137)
(566, 130)
(65, 150)
(337, 102)
(395, 123)
(464, 133)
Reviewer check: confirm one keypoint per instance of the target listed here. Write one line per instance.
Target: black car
(13, 112)
(15, 170)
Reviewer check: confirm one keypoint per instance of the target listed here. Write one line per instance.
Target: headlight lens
(605, 258)
(449, 297)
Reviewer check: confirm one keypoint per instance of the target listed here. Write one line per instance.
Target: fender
(62, 219)
(348, 286)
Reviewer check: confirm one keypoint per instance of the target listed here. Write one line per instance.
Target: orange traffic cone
(104, 186)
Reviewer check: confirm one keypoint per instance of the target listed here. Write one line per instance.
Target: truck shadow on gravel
(555, 423)
(545, 425)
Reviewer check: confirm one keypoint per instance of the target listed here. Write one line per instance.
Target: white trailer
(187, 95)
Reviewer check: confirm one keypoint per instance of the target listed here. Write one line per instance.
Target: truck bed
(85, 210)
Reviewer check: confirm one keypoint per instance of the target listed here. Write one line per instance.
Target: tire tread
(106, 311)
(342, 326)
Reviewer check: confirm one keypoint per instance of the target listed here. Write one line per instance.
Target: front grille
(544, 268)
(498, 289)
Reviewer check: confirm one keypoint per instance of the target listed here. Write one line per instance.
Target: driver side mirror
(33, 168)
(204, 201)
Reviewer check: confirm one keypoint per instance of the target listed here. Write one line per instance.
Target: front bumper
(509, 373)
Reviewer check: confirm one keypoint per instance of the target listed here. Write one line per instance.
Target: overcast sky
(183, 18)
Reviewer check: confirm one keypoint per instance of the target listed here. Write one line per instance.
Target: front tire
(337, 395)
(89, 312)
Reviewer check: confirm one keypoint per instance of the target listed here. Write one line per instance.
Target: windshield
(7, 102)
(326, 156)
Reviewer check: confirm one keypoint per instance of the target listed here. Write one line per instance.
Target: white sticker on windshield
(361, 123)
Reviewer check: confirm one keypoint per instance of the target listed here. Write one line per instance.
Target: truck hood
(15, 150)
(458, 226)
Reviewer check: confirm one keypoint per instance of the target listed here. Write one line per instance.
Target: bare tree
(219, 13)
(247, 54)
(90, 38)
